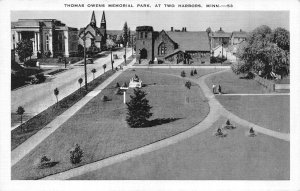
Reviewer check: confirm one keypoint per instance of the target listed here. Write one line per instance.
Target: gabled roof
(239, 34)
(191, 41)
(221, 34)
(174, 52)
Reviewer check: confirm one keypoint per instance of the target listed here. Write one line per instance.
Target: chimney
(182, 29)
(240, 30)
(220, 28)
(185, 29)
(171, 29)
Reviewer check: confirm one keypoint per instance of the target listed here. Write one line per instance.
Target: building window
(141, 35)
(162, 49)
(145, 34)
(47, 42)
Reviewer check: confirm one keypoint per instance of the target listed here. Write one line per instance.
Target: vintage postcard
(139, 90)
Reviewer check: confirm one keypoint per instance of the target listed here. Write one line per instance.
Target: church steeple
(93, 19)
(103, 20)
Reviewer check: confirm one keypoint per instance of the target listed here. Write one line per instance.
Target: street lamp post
(125, 53)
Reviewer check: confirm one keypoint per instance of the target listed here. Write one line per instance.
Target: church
(174, 46)
(95, 37)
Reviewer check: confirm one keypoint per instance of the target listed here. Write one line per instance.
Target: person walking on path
(219, 89)
(214, 88)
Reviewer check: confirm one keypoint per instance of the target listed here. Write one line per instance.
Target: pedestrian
(214, 88)
(219, 89)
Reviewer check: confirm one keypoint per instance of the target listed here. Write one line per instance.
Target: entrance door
(143, 54)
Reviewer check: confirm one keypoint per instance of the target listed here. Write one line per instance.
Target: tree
(119, 39)
(129, 39)
(125, 34)
(93, 71)
(104, 67)
(80, 80)
(24, 49)
(264, 52)
(182, 74)
(76, 154)
(188, 85)
(110, 45)
(20, 112)
(208, 30)
(138, 109)
(56, 92)
(192, 73)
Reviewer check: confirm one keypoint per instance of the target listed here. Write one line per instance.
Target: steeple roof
(103, 20)
(93, 19)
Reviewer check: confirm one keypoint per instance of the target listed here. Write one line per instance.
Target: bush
(124, 84)
(76, 154)
(227, 62)
(45, 159)
(117, 85)
(40, 77)
(192, 72)
(47, 54)
(216, 60)
(30, 63)
(195, 72)
(228, 122)
(104, 98)
(182, 74)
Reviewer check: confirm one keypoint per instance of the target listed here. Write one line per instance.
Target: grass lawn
(271, 112)
(101, 131)
(207, 157)
(233, 84)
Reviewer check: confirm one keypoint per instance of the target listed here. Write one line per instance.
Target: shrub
(182, 74)
(104, 98)
(117, 85)
(124, 84)
(40, 77)
(45, 159)
(228, 122)
(47, 54)
(195, 72)
(30, 63)
(76, 154)
(192, 72)
(227, 62)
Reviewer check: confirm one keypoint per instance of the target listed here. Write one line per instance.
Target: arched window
(162, 49)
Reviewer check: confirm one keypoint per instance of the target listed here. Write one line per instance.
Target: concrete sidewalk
(18, 153)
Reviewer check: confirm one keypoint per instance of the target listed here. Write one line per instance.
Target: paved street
(36, 98)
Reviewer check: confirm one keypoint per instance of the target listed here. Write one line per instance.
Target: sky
(193, 20)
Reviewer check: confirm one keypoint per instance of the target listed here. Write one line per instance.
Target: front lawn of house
(101, 131)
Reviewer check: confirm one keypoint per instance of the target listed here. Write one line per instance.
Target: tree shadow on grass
(160, 121)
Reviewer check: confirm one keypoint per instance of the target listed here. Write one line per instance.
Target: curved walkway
(216, 111)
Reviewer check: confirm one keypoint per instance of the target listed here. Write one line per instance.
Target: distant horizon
(229, 21)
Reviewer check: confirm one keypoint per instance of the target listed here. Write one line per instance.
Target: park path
(18, 153)
(216, 111)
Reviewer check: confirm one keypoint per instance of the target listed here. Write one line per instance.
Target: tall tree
(24, 49)
(110, 45)
(125, 34)
(138, 109)
(264, 52)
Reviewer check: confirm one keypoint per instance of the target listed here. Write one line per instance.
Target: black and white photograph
(148, 91)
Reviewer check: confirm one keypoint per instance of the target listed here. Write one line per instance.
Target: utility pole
(132, 46)
(125, 53)
(84, 55)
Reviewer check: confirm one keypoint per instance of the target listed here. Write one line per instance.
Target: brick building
(175, 46)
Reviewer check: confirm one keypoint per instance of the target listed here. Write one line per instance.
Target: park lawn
(101, 131)
(234, 84)
(269, 111)
(207, 157)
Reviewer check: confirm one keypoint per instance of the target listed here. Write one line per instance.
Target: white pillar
(124, 97)
(66, 42)
(50, 43)
(38, 42)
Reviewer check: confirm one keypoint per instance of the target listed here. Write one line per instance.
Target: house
(238, 36)
(48, 36)
(220, 37)
(175, 46)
